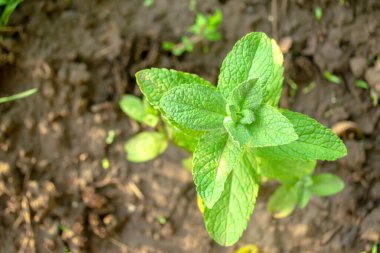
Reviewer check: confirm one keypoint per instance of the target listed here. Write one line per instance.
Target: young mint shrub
(205, 29)
(241, 133)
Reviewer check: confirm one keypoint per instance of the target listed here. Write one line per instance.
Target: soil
(82, 55)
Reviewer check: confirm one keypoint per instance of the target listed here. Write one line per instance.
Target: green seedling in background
(18, 96)
(204, 30)
(318, 13)
(162, 220)
(373, 250)
(293, 87)
(193, 5)
(239, 126)
(7, 7)
(147, 145)
(331, 77)
(148, 3)
(362, 84)
(298, 184)
(309, 88)
(110, 137)
(374, 97)
(105, 163)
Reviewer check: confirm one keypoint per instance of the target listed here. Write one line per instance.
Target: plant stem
(17, 96)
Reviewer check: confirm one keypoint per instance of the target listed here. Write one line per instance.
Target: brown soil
(82, 55)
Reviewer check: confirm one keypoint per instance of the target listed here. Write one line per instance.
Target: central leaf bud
(247, 117)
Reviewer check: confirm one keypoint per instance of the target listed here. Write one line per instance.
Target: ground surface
(82, 55)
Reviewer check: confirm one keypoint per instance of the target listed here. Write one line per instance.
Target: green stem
(17, 96)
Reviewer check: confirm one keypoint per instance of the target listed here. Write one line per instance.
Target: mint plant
(204, 29)
(242, 135)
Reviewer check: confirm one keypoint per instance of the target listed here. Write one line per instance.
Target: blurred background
(65, 182)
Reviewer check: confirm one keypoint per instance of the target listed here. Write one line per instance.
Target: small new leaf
(194, 108)
(246, 96)
(255, 56)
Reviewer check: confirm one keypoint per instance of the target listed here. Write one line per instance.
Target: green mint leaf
(194, 108)
(326, 184)
(214, 158)
(283, 201)
(145, 146)
(246, 96)
(154, 82)
(255, 56)
(315, 141)
(275, 81)
(270, 128)
(137, 110)
(285, 170)
(228, 218)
